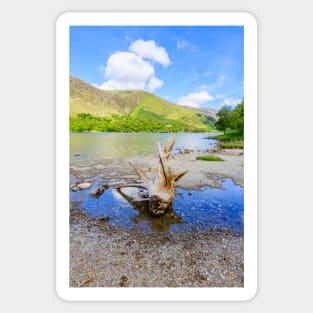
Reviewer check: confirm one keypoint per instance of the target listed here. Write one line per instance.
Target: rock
(74, 188)
(84, 186)
(186, 151)
(97, 192)
(142, 194)
(214, 149)
(104, 219)
(123, 281)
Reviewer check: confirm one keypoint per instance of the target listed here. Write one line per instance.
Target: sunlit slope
(134, 107)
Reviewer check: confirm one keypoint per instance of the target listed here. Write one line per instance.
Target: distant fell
(93, 109)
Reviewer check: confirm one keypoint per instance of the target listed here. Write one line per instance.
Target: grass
(232, 145)
(209, 158)
(230, 140)
(229, 137)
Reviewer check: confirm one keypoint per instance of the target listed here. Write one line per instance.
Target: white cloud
(125, 70)
(231, 101)
(154, 83)
(195, 99)
(149, 50)
(181, 44)
(134, 69)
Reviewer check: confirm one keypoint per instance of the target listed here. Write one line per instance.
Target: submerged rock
(97, 192)
(104, 219)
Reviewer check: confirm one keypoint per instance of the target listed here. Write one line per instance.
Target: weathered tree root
(161, 187)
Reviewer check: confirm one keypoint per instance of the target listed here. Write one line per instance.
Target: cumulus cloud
(195, 99)
(150, 50)
(154, 83)
(134, 69)
(125, 70)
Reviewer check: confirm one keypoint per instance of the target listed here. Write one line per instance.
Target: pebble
(104, 219)
(84, 186)
(123, 281)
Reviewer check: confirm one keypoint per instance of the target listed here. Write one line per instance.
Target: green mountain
(92, 109)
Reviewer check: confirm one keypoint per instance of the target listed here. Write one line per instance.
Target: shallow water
(93, 146)
(208, 208)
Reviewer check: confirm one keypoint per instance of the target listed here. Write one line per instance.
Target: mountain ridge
(131, 110)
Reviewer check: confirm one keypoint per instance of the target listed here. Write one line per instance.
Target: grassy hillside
(92, 109)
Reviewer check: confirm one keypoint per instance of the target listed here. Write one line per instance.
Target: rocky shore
(103, 255)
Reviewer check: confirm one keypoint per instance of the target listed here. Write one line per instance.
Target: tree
(238, 118)
(224, 119)
(229, 118)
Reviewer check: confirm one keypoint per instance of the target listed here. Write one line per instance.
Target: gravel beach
(104, 255)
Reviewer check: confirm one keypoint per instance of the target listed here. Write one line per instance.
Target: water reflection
(92, 146)
(202, 209)
(142, 206)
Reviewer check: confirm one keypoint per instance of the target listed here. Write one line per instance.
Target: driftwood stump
(161, 187)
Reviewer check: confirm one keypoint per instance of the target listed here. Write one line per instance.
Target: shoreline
(102, 255)
(200, 173)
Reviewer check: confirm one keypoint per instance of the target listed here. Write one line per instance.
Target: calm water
(93, 146)
(217, 208)
(208, 208)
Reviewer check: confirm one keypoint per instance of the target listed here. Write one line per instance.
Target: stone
(104, 219)
(84, 186)
(97, 192)
(74, 188)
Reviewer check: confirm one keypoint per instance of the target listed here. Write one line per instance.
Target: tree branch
(180, 175)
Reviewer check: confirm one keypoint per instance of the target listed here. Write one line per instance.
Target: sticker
(156, 173)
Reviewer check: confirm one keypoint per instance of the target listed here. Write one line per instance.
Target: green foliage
(238, 118)
(209, 158)
(224, 119)
(139, 121)
(231, 122)
(229, 119)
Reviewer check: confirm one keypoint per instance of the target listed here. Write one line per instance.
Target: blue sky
(200, 66)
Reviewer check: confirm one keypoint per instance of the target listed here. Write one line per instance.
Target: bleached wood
(161, 188)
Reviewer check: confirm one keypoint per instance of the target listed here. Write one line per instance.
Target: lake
(207, 208)
(94, 146)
